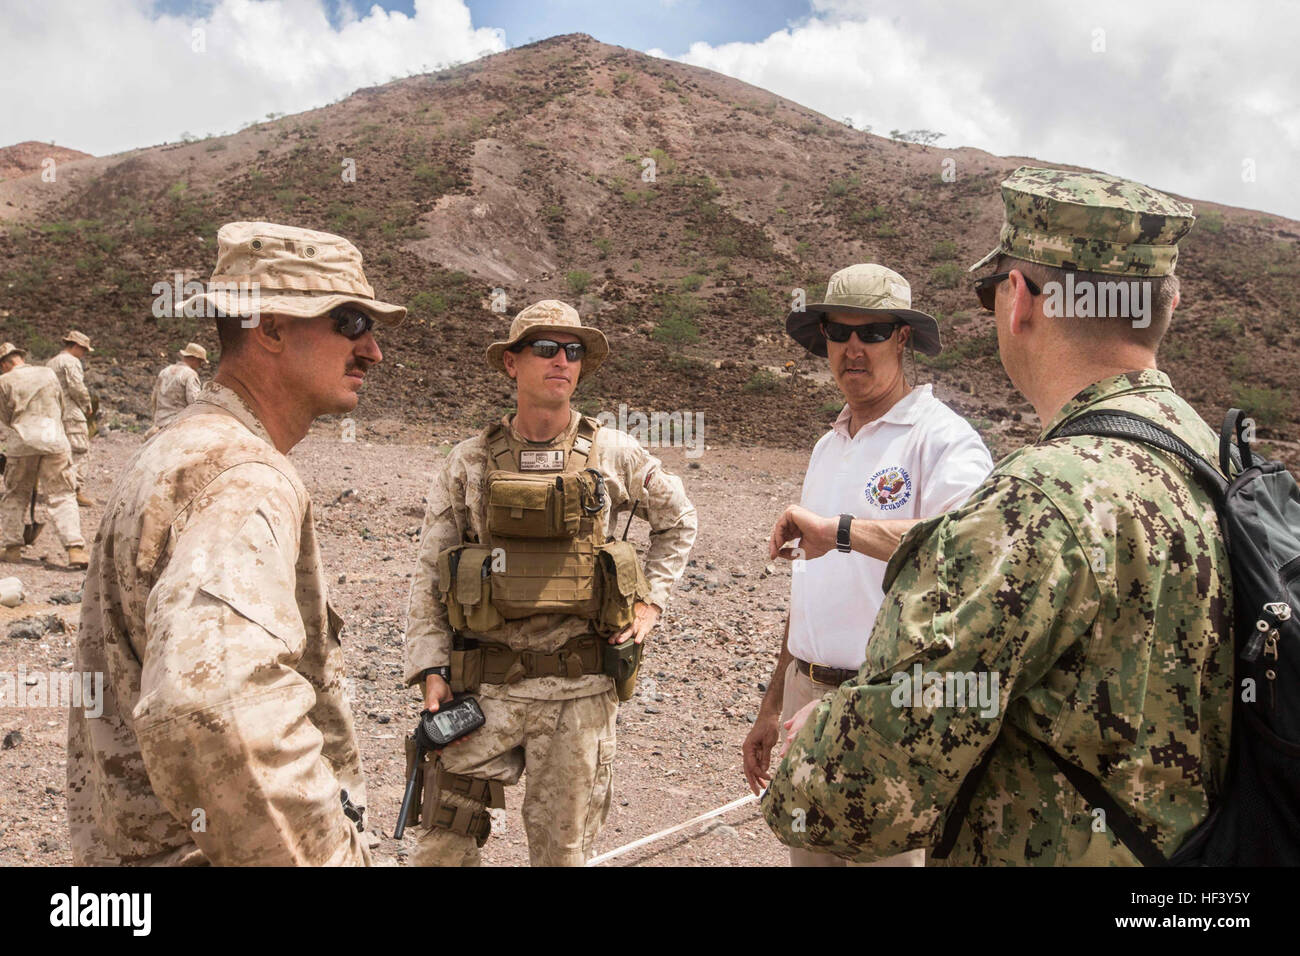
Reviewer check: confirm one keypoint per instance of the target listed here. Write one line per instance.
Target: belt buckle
(812, 675)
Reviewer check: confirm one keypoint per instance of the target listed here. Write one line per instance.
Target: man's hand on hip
(646, 616)
(816, 534)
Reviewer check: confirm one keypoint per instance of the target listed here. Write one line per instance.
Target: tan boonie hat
(194, 350)
(552, 315)
(265, 268)
(864, 289)
(1089, 222)
(78, 338)
(9, 349)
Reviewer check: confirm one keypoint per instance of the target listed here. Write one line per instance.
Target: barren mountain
(678, 208)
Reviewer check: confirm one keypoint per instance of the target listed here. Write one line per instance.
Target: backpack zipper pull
(1256, 643)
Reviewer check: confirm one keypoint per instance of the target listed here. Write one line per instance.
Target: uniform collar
(508, 420)
(906, 411)
(228, 401)
(1142, 380)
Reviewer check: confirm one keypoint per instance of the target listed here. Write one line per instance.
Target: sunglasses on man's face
(351, 323)
(869, 334)
(545, 348)
(987, 288)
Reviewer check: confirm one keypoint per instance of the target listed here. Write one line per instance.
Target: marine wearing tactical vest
(526, 598)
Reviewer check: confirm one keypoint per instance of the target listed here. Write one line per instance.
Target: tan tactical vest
(544, 551)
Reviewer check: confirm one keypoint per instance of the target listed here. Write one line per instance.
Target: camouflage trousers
(79, 439)
(566, 748)
(52, 476)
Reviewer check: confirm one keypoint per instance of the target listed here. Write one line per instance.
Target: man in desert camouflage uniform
(549, 708)
(226, 736)
(178, 385)
(39, 460)
(76, 404)
(1086, 575)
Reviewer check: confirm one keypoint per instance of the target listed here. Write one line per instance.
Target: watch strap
(843, 533)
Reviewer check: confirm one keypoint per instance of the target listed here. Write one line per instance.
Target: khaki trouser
(567, 749)
(79, 439)
(799, 691)
(52, 475)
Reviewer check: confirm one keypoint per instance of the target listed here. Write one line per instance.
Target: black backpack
(1255, 817)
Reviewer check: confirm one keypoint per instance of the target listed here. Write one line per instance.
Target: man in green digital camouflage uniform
(1085, 583)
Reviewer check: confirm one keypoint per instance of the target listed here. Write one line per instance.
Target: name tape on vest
(541, 460)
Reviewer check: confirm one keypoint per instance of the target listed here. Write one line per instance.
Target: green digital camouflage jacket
(1082, 594)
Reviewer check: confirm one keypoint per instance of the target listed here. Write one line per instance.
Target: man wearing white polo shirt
(895, 455)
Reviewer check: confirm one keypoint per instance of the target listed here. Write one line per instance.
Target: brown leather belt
(821, 674)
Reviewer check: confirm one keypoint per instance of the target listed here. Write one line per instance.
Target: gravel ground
(678, 739)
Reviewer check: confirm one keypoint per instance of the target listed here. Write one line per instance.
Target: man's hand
(757, 749)
(646, 617)
(795, 723)
(816, 534)
(436, 692)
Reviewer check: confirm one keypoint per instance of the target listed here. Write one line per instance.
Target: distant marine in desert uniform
(178, 385)
(38, 457)
(77, 404)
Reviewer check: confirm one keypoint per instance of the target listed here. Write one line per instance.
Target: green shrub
(726, 245)
(603, 245)
(1268, 406)
(1211, 221)
(428, 303)
(944, 249)
(947, 275)
(692, 282)
(578, 281)
(762, 382)
(676, 324)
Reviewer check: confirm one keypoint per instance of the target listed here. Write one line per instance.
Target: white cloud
(113, 75)
(1180, 96)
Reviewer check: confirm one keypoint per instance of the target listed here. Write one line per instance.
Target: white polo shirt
(917, 460)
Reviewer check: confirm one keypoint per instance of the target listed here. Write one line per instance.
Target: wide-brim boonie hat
(8, 349)
(552, 315)
(78, 338)
(865, 289)
(266, 268)
(194, 350)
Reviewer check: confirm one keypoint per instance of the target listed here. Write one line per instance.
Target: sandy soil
(678, 739)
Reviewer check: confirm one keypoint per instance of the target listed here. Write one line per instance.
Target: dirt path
(678, 739)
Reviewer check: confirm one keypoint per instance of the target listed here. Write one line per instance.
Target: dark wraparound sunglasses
(869, 334)
(987, 288)
(545, 348)
(351, 323)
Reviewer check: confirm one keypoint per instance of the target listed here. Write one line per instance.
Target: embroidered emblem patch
(890, 488)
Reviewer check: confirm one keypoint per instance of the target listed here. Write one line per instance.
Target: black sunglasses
(869, 334)
(351, 323)
(545, 348)
(987, 288)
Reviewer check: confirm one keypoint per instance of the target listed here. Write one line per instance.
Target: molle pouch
(533, 506)
(621, 583)
(544, 576)
(621, 662)
(465, 580)
(466, 671)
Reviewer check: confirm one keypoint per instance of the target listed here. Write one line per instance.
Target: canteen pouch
(534, 506)
(621, 583)
(465, 583)
(621, 662)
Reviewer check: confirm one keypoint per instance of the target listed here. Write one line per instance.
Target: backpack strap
(1234, 423)
(1117, 819)
(960, 808)
(1113, 423)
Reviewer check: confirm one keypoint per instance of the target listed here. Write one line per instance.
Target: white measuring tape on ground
(597, 860)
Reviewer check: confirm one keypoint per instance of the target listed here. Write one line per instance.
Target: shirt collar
(509, 421)
(1141, 380)
(906, 411)
(230, 402)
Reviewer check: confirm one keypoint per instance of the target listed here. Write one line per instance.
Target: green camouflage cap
(1090, 222)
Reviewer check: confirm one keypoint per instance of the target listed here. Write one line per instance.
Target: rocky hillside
(529, 172)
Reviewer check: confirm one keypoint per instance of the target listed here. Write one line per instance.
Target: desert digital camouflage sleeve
(664, 504)
(998, 587)
(428, 635)
(222, 718)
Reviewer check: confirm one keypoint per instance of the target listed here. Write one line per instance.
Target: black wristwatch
(842, 534)
(443, 672)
